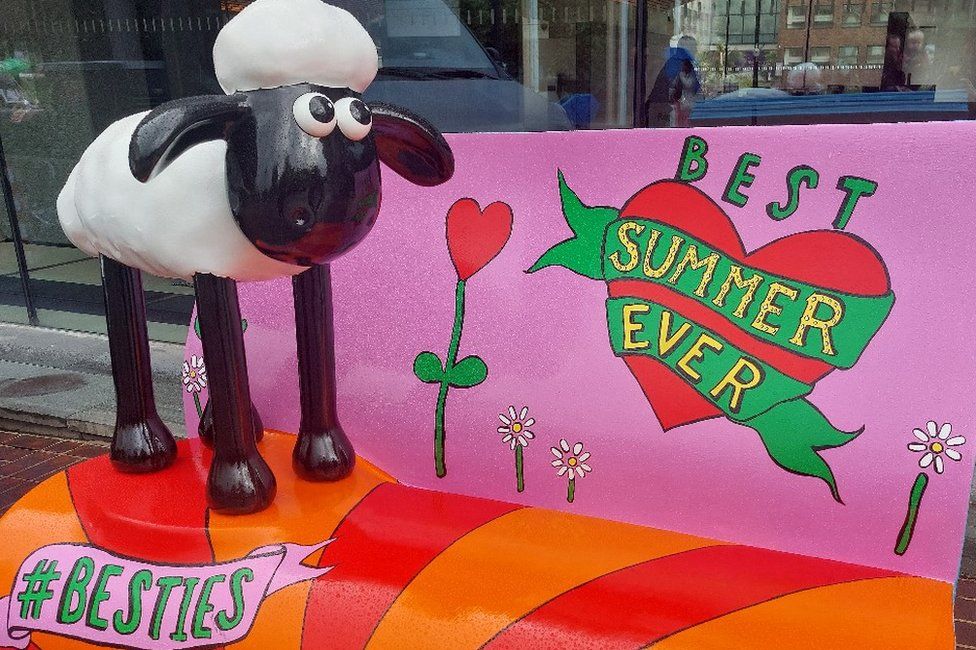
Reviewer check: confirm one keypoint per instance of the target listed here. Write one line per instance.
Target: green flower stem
(914, 501)
(571, 491)
(196, 402)
(439, 462)
(519, 466)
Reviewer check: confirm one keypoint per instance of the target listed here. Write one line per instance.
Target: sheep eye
(315, 114)
(354, 118)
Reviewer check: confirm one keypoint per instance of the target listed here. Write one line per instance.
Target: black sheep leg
(141, 442)
(322, 452)
(240, 481)
(205, 428)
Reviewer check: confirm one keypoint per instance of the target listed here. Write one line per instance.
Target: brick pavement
(26, 460)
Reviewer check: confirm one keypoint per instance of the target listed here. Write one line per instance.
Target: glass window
(820, 55)
(823, 13)
(792, 56)
(875, 55)
(847, 55)
(880, 10)
(852, 13)
(796, 15)
(467, 65)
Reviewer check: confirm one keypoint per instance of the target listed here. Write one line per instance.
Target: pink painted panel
(545, 342)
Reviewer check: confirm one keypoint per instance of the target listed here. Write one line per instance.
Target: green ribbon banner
(823, 324)
(814, 322)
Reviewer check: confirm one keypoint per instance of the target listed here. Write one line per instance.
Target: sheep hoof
(323, 456)
(240, 487)
(143, 447)
(206, 427)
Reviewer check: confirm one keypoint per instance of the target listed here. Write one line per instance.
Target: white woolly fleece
(274, 43)
(176, 225)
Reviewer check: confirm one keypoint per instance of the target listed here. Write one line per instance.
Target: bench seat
(425, 569)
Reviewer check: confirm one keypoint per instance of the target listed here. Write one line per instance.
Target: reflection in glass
(810, 61)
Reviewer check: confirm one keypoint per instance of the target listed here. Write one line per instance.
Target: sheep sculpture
(276, 178)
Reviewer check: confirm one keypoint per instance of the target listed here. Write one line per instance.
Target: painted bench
(582, 425)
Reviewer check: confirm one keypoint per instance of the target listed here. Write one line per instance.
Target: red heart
(826, 258)
(476, 236)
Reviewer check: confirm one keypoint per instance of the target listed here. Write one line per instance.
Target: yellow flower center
(937, 447)
(517, 427)
(572, 461)
(193, 374)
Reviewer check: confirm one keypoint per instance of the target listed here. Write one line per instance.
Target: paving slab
(55, 397)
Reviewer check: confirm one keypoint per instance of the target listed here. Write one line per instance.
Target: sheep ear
(170, 129)
(411, 146)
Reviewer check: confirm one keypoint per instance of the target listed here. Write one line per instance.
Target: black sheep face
(303, 173)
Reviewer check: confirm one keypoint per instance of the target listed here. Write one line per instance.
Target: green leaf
(582, 252)
(428, 368)
(468, 372)
(196, 326)
(794, 433)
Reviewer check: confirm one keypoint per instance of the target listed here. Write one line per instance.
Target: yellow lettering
(665, 266)
(623, 234)
(739, 384)
(809, 319)
(666, 341)
(631, 328)
(735, 276)
(769, 306)
(696, 353)
(691, 260)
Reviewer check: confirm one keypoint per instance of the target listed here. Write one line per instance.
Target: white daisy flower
(934, 443)
(194, 374)
(571, 461)
(515, 427)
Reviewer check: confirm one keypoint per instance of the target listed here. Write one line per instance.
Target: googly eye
(315, 114)
(355, 118)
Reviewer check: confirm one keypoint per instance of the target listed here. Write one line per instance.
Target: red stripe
(160, 517)
(380, 547)
(651, 600)
(797, 366)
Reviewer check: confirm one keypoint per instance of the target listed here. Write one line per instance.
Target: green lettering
(223, 621)
(801, 175)
(100, 595)
(693, 165)
(179, 632)
(76, 588)
(165, 585)
(204, 606)
(741, 178)
(141, 581)
(854, 187)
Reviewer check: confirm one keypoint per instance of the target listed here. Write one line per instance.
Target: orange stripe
(891, 613)
(43, 516)
(504, 569)
(380, 548)
(652, 600)
(302, 513)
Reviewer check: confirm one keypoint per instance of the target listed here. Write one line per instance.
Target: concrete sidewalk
(59, 383)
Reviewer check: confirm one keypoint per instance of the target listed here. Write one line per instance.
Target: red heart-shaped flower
(828, 259)
(476, 236)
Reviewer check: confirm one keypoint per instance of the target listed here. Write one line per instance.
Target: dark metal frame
(8, 197)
